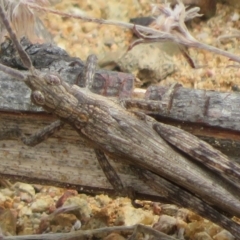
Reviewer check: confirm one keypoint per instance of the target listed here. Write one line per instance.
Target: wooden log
(63, 159)
(210, 108)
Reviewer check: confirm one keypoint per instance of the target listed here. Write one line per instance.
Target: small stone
(43, 225)
(148, 70)
(65, 196)
(114, 236)
(103, 200)
(223, 235)
(25, 211)
(87, 27)
(183, 214)
(8, 203)
(130, 216)
(94, 223)
(213, 229)
(54, 191)
(25, 197)
(166, 224)
(77, 225)
(7, 222)
(193, 217)
(169, 209)
(235, 17)
(2, 198)
(42, 204)
(84, 208)
(64, 219)
(202, 236)
(24, 187)
(7, 192)
(157, 208)
(27, 231)
(5, 202)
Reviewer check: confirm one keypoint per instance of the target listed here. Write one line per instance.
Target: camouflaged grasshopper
(130, 137)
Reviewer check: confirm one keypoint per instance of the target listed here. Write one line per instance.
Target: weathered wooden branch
(64, 158)
(207, 108)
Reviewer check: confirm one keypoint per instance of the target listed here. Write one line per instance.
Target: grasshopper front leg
(43, 134)
(49, 130)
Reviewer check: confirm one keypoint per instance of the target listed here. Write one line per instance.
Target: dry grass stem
(82, 234)
(168, 26)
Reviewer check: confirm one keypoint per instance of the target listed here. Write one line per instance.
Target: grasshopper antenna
(23, 55)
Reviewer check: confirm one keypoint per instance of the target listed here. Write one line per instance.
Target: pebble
(223, 235)
(166, 224)
(7, 192)
(114, 236)
(3, 198)
(64, 220)
(8, 222)
(42, 203)
(148, 70)
(25, 210)
(24, 187)
(65, 196)
(77, 225)
(131, 216)
(100, 211)
(202, 236)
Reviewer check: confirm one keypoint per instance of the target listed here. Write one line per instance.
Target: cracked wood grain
(208, 108)
(63, 159)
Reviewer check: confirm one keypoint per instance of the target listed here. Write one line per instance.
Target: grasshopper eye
(52, 79)
(38, 98)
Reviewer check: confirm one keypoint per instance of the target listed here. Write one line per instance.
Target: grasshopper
(131, 137)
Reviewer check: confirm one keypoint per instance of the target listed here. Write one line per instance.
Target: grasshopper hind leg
(113, 177)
